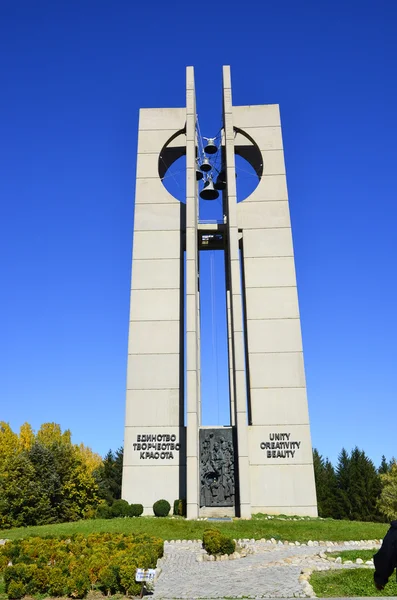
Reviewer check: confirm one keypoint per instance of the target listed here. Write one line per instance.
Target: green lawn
(257, 528)
(349, 582)
(353, 554)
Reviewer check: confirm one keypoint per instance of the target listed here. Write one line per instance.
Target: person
(385, 560)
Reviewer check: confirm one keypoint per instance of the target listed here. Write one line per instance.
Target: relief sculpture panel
(217, 485)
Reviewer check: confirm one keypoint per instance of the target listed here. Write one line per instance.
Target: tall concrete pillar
(154, 400)
(192, 304)
(237, 338)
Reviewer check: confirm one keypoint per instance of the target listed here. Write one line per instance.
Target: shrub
(16, 590)
(135, 510)
(104, 511)
(215, 542)
(72, 566)
(161, 508)
(180, 507)
(120, 508)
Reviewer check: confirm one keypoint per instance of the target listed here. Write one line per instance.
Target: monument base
(217, 511)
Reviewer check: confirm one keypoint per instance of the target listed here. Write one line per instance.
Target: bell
(209, 192)
(205, 165)
(210, 148)
(220, 183)
(199, 174)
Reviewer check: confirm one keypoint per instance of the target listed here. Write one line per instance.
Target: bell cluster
(206, 171)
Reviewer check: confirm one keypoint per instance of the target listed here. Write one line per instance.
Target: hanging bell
(199, 174)
(220, 183)
(205, 165)
(210, 148)
(209, 192)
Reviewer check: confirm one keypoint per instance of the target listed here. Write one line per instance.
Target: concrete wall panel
(293, 446)
(152, 191)
(269, 272)
(273, 163)
(155, 305)
(151, 447)
(268, 139)
(161, 118)
(270, 188)
(153, 337)
(274, 335)
(272, 303)
(284, 488)
(265, 214)
(279, 406)
(151, 407)
(145, 485)
(152, 141)
(156, 274)
(157, 217)
(153, 371)
(260, 243)
(281, 369)
(263, 115)
(156, 244)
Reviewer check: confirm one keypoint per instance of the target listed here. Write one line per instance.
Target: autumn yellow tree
(44, 477)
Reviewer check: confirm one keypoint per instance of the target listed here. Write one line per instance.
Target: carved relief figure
(216, 468)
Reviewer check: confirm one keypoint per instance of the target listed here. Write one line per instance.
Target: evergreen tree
(109, 476)
(47, 477)
(326, 487)
(330, 502)
(343, 504)
(384, 466)
(364, 486)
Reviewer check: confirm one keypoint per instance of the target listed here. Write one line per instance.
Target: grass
(353, 554)
(257, 528)
(349, 582)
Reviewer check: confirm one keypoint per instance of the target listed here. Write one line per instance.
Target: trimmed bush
(215, 542)
(72, 566)
(135, 510)
(161, 508)
(180, 507)
(104, 511)
(120, 508)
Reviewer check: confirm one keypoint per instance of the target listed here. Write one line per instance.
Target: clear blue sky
(73, 74)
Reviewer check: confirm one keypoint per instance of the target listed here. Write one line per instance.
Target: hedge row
(119, 508)
(73, 566)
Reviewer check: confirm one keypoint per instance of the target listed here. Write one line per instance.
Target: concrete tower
(261, 461)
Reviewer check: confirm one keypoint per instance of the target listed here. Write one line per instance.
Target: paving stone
(271, 571)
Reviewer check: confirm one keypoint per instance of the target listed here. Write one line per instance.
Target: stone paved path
(272, 571)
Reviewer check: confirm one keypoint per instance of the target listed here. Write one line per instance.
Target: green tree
(44, 478)
(326, 486)
(46, 475)
(109, 476)
(365, 487)
(21, 496)
(343, 508)
(387, 503)
(384, 466)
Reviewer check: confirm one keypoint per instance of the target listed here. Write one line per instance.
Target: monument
(261, 461)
